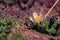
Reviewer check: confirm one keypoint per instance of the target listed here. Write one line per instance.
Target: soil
(33, 34)
(21, 14)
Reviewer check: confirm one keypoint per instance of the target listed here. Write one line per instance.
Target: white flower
(37, 18)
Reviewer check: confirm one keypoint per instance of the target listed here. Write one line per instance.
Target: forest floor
(29, 33)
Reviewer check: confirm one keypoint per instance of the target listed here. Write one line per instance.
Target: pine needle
(51, 9)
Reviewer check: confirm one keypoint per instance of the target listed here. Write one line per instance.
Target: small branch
(51, 9)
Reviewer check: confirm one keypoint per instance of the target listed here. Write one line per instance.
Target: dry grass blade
(51, 9)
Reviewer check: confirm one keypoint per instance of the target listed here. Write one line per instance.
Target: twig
(51, 9)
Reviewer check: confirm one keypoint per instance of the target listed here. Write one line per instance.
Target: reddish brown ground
(34, 35)
(29, 33)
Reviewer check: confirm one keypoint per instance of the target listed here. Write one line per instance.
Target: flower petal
(31, 19)
(35, 15)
